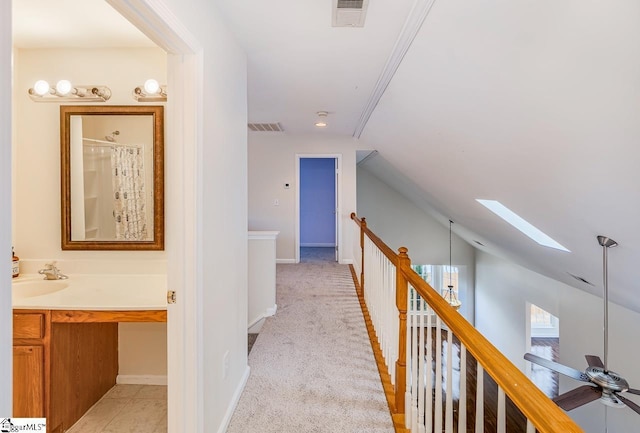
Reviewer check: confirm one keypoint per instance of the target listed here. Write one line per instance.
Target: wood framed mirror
(112, 177)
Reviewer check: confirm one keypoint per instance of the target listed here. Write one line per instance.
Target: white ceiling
(533, 103)
(72, 23)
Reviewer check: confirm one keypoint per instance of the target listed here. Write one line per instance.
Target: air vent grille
(265, 127)
(349, 13)
(582, 280)
(350, 4)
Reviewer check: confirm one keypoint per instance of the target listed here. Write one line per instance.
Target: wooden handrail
(388, 252)
(543, 413)
(533, 403)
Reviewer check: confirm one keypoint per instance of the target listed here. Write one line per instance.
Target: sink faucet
(50, 272)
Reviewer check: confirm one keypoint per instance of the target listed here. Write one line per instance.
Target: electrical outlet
(225, 364)
(276, 202)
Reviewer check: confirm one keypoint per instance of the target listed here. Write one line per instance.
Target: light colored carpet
(312, 368)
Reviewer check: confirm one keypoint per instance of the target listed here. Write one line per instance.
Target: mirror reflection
(113, 171)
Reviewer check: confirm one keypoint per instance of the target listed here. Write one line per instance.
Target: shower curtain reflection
(127, 168)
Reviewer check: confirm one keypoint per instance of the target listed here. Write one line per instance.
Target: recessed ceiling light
(322, 119)
(521, 224)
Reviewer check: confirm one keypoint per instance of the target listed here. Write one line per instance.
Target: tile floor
(127, 408)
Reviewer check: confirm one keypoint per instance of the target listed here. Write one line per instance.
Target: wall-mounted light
(150, 91)
(322, 119)
(64, 91)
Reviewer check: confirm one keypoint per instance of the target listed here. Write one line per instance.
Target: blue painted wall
(317, 202)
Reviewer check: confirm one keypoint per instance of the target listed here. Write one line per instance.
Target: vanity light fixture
(64, 91)
(150, 91)
(322, 119)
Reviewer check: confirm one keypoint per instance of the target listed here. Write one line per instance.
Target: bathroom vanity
(65, 346)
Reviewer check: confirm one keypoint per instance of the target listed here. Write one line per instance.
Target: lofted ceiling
(532, 103)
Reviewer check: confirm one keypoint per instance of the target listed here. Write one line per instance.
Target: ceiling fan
(602, 383)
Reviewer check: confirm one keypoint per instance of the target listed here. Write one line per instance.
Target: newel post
(363, 227)
(402, 287)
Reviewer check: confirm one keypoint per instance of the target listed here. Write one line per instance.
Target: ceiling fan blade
(630, 404)
(578, 397)
(567, 371)
(594, 361)
(633, 391)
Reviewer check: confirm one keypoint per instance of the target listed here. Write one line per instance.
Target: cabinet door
(28, 381)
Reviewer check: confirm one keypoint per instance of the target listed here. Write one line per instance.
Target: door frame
(338, 186)
(183, 146)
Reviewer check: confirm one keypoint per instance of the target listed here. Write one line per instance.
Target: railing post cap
(403, 251)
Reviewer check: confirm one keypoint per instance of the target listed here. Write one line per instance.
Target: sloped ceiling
(533, 103)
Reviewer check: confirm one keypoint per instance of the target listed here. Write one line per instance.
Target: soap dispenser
(15, 264)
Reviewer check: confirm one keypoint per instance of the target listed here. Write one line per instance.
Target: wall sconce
(151, 91)
(64, 91)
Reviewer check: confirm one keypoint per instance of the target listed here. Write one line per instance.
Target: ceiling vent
(265, 127)
(582, 280)
(349, 13)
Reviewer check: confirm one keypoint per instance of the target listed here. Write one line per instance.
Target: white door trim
(183, 147)
(338, 158)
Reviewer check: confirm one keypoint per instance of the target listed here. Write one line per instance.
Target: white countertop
(92, 292)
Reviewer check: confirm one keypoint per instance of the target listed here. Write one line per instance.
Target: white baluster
(438, 403)
(480, 400)
(448, 425)
(421, 373)
(415, 387)
(462, 402)
(502, 413)
(530, 427)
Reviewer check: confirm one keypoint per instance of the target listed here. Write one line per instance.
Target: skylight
(521, 224)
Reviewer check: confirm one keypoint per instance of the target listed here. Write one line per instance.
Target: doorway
(544, 341)
(317, 208)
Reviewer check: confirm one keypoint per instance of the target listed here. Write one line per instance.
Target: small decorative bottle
(15, 264)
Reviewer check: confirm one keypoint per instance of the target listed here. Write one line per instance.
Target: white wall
(502, 292)
(222, 212)
(400, 223)
(272, 163)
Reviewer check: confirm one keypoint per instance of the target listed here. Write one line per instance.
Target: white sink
(29, 289)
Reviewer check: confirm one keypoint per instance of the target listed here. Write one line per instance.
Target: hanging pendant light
(449, 295)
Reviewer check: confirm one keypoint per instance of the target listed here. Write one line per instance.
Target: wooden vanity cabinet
(60, 370)
(64, 361)
(31, 334)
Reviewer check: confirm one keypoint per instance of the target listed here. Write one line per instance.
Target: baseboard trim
(286, 261)
(318, 245)
(271, 311)
(234, 401)
(346, 262)
(141, 379)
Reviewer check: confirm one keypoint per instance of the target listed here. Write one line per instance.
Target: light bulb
(63, 87)
(41, 87)
(321, 124)
(151, 86)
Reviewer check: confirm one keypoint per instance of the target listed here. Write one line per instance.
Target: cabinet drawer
(29, 325)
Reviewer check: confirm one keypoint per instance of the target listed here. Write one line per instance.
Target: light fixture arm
(606, 243)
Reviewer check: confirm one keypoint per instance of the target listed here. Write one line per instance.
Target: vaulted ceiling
(532, 103)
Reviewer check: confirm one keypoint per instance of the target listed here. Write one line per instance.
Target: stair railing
(429, 349)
